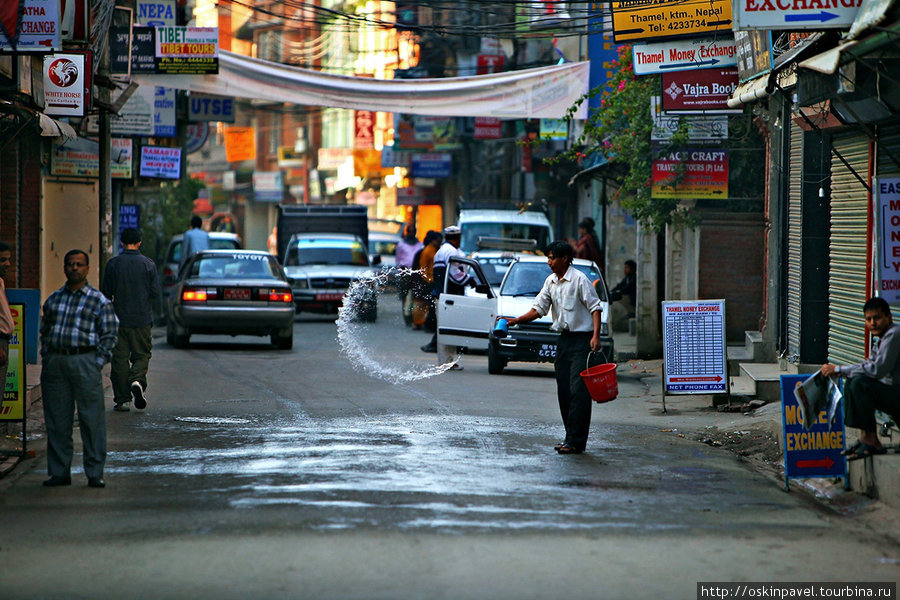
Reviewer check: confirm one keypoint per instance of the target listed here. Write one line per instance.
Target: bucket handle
(587, 363)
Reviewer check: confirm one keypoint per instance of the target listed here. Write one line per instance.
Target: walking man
(195, 239)
(131, 282)
(573, 302)
(7, 325)
(873, 384)
(78, 333)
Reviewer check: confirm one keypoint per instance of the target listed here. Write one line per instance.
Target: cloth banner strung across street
(545, 92)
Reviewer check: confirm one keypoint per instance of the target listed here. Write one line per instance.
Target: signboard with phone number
(640, 20)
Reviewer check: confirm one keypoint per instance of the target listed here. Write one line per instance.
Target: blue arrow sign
(691, 64)
(821, 17)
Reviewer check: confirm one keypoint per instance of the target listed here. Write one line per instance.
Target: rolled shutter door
(847, 288)
(794, 240)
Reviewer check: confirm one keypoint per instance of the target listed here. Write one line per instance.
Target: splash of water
(350, 329)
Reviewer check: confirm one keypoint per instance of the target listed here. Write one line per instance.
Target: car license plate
(332, 297)
(237, 293)
(547, 351)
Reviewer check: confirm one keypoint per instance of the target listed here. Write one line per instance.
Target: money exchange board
(694, 351)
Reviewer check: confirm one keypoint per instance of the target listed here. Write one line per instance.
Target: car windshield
(214, 244)
(383, 247)
(472, 231)
(326, 252)
(235, 266)
(494, 267)
(526, 279)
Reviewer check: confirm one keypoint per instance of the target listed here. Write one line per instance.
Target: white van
(475, 223)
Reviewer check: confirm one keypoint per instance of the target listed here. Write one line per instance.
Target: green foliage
(168, 215)
(621, 130)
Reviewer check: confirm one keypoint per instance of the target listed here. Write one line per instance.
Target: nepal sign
(682, 55)
(638, 20)
(794, 14)
(705, 175)
(698, 90)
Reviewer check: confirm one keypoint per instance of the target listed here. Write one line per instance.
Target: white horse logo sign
(64, 84)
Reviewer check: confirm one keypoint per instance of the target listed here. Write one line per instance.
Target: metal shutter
(888, 137)
(794, 240)
(848, 291)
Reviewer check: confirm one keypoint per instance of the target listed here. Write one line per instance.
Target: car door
(466, 320)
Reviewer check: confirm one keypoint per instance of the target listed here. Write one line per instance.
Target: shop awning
(49, 126)
(750, 91)
(545, 92)
(827, 62)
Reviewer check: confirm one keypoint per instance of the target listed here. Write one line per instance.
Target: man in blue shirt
(78, 333)
(131, 282)
(195, 239)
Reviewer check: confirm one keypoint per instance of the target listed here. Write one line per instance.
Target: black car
(231, 292)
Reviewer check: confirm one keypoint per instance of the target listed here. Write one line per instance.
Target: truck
(480, 219)
(323, 249)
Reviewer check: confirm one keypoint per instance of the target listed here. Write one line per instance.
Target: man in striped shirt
(78, 334)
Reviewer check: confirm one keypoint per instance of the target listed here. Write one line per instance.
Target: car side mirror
(483, 288)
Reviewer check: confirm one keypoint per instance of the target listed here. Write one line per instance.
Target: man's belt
(72, 351)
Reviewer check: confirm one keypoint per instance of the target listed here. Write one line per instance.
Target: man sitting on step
(873, 384)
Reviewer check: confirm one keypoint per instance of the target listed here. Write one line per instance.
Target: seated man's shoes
(58, 480)
(137, 394)
(96, 482)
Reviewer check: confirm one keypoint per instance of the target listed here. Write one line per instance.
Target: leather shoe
(428, 348)
(58, 480)
(96, 482)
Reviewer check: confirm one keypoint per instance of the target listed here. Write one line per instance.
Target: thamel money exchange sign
(640, 20)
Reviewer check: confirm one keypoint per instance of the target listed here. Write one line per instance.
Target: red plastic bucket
(601, 382)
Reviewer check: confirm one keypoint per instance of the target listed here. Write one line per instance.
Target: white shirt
(442, 260)
(571, 301)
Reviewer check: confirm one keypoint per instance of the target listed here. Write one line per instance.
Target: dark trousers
(574, 399)
(130, 361)
(864, 396)
(68, 382)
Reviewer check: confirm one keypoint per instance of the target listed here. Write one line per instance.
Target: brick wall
(9, 207)
(732, 266)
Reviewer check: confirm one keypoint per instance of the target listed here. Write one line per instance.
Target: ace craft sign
(639, 20)
(705, 175)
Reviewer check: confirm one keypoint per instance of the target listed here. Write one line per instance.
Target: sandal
(865, 451)
(852, 449)
(567, 449)
(558, 446)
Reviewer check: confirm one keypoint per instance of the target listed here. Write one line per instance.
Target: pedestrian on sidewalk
(575, 307)
(873, 384)
(131, 282)
(7, 325)
(78, 333)
(194, 240)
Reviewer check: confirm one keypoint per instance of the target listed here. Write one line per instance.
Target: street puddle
(214, 420)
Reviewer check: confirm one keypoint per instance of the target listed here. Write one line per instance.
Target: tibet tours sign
(187, 50)
(698, 90)
(703, 174)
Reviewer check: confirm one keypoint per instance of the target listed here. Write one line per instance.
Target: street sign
(64, 84)
(794, 14)
(694, 347)
(638, 20)
(203, 107)
(432, 165)
(813, 452)
(754, 53)
(32, 26)
(161, 162)
(682, 55)
(699, 90)
(705, 175)
(888, 193)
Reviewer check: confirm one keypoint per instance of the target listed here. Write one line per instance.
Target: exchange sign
(682, 55)
(642, 19)
(794, 14)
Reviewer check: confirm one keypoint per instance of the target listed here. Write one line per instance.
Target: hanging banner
(527, 93)
(240, 144)
(888, 192)
(705, 175)
(38, 29)
(160, 162)
(639, 20)
(684, 55)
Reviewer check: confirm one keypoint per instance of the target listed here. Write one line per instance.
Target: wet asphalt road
(262, 473)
